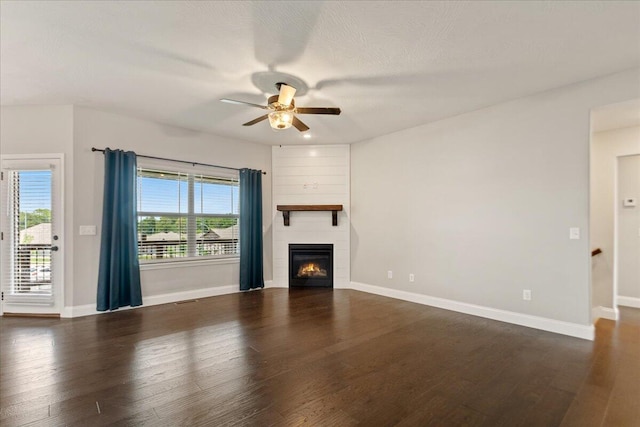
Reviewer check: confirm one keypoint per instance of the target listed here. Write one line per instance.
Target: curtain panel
(119, 272)
(251, 268)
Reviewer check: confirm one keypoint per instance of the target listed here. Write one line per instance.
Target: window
(186, 215)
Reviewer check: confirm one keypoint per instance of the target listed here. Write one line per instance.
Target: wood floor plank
(588, 408)
(624, 401)
(313, 357)
(24, 416)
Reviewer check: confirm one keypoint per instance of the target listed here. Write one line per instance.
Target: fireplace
(311, 265)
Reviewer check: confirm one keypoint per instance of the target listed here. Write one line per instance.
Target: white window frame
(191, 171)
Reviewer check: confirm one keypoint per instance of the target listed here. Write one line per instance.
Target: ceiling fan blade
(286, 95)
(299, 125)
(318, 110)
(233, 101)
(254, 121)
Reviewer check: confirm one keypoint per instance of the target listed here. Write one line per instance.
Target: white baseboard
(572, 329)
(89, 309)
(271, 284)
(586, 332)
(628, 301)
(601, 312)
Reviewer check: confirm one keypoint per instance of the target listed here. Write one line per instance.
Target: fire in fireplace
(311, 265)
(311, 269)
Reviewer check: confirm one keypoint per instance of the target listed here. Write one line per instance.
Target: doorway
(31, 226)
(615, 134)
(627, 231)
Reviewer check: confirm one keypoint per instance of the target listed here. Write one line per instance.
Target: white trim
(586, 332)
(89, 309)
(188, 263)
(32, 156)
(557, 326)
(628, 301)
(270, 284)
(616, 250)
(601, 312)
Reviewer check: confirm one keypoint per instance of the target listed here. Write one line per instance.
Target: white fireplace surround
(311, 175)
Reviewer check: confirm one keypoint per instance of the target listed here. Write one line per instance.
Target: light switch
(574, 233)
(87, 230)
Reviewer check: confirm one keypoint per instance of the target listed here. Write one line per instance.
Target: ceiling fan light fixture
(282, 111)
(281, 120)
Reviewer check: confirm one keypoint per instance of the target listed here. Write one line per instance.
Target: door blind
(29, 216)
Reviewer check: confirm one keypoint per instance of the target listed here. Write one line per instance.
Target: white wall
(479, 206)
(42, 130)
(311, 175)
(606, 147)
(98, 129)
(628, 231)
(73, 131)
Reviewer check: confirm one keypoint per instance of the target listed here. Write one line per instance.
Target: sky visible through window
(170, 196)
(35, 190)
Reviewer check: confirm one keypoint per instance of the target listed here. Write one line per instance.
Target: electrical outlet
(526, 295)
(412, 278)
(389, 274)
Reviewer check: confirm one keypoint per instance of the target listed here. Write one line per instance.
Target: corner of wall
(601, 312)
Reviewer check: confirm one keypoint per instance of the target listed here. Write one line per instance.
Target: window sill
(187, 263)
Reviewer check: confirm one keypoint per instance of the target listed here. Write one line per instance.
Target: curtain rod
(178, 161)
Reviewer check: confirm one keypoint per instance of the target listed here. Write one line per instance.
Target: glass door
(31, 227)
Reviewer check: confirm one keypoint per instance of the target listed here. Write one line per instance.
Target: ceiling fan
(283, 110)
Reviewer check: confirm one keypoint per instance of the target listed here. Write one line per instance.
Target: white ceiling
(388, 65)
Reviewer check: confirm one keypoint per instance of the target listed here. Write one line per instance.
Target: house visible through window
(186, 215)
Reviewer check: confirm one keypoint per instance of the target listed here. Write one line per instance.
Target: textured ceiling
(388, 65)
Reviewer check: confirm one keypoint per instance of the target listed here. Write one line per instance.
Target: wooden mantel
(285, 209)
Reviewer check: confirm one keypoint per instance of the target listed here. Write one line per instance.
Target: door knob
(54, 248)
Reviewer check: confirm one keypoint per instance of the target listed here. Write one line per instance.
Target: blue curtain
(119, 273)
(251, 276)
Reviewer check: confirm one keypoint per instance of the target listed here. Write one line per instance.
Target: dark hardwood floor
(315, 357)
